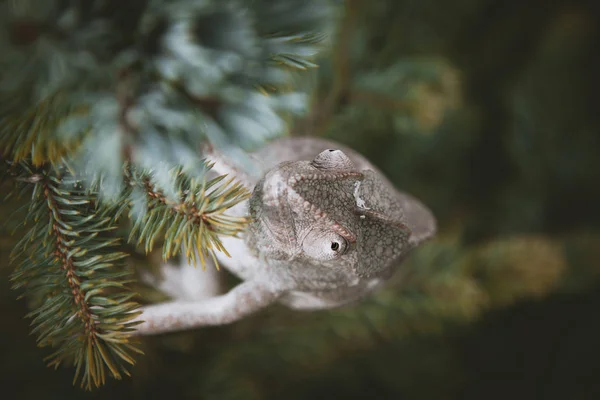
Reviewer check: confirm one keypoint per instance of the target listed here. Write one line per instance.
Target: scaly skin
(328, 228)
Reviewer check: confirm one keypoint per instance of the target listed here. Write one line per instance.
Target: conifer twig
(68, 264)
(194, 219)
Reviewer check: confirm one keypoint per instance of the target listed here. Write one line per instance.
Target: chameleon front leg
(183, 281)
(243, 300)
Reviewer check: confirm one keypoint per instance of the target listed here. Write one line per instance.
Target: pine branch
(192, 219)
(69, 266)
(123, 98)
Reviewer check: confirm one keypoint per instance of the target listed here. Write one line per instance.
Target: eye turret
(333, 159)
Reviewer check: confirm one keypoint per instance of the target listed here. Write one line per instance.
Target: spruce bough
(103, 111)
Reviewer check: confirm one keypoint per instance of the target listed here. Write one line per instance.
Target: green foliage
(152, 81)
(70, 267)
(33, 142)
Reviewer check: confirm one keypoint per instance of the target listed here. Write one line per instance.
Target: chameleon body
(327, 229)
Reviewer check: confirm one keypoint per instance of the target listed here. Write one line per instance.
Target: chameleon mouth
(273, 209)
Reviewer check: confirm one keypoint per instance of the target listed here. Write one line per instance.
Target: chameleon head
(328, 217)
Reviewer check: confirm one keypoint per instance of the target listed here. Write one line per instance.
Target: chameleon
(326, 229)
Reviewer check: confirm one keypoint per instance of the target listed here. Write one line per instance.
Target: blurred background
(483, 109)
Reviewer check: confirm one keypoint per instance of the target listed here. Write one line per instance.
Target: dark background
(485, 110)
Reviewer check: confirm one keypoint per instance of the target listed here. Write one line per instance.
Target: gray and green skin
(328, 228)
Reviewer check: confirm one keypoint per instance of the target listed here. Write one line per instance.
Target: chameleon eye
(339, 246)
(324, 245)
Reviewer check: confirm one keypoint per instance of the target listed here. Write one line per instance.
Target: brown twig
(190, 212)
(377, 100)
(61, 251)
(125, 93)
(340, 91)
